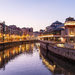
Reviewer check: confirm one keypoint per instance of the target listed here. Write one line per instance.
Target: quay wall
(6, 45)
(60, 51)
(53, 59)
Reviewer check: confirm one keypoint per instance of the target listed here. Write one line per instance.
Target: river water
(27, 60)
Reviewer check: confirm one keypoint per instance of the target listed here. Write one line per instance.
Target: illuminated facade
(61, 32)
(70, 30)
(9, 54)
(70, 27)
(14, 33)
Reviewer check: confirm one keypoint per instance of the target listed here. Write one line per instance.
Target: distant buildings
(36, 34)
(57, 31)
(13, 32)
(1, 28)
(27, 31)
(55, 28)
(41, 31)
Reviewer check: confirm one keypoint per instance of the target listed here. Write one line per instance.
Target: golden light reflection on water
(49, 66)
(0, 59)
(57, 66)
(8, 54)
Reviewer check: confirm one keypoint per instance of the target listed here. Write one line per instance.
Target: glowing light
(60, 45)
(13, 51)
(0, 59)
(46, 36)
(4, 55)
(51, 67)
(71, 35)
(62, 39)
(69, 23)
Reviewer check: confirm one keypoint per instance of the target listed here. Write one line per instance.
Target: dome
(56, 23)
(70, 19)
(70, 22)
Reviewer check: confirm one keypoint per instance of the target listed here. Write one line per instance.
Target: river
(27, 59)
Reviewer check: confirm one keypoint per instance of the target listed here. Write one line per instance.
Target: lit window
(71, 31)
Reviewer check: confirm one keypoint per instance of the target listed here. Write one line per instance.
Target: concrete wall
(12, 44)
(64, 52)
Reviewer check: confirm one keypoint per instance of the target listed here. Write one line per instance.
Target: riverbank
(65, 53)
(58, 61)
(5, 45)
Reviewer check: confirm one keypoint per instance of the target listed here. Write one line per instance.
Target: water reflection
(12, 53)
(57, 66)
(29, 59)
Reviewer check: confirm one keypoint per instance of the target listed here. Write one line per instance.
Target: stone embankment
(60, 51)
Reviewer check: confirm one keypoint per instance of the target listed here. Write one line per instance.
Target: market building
(60, 32)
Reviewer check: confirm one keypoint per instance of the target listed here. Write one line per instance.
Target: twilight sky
(35, 13)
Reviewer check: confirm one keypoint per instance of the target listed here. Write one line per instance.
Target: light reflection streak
(9, 54)
(49, 66)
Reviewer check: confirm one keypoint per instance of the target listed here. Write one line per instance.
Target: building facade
(13, 33)
(60, 32)
(28, 31)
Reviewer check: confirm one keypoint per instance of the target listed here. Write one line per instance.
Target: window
(71, 31)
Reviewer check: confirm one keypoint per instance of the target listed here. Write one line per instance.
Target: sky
(35, 13)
